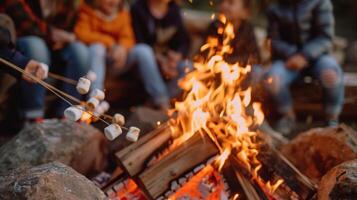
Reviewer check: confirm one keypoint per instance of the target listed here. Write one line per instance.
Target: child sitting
(106, 27)
(158, 23)
(301, 35)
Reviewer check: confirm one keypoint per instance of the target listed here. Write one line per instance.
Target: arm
(138, 24)
(26, 22)
(181, 41)
(324, 22)
(86, 34)
(126, 38)
(279, 47)
(10, 54)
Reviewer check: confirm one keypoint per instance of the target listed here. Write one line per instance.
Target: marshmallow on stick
(92, 103)
(73, 113)
(83, 85)
(98, 94)
(113, 131)
(92, 76)
(101, 109)
(119, 119)
(133, 134)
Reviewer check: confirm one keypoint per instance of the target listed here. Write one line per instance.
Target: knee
(330, 73)
(143, 50)
(98, 49)
(274, 79)
(330, 78)
(77, 52)
(35, 48)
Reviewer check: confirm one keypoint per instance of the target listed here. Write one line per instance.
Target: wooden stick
(62, 78)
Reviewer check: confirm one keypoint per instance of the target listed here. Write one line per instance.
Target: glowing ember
(215, 103)
(207, 184)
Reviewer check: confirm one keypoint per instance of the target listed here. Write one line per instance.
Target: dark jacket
(29, 20)
(7, 50)
(301, 26)
(245, 47)
(162, 34)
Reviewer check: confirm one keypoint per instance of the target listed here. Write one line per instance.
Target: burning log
(133, 158)
(156, 180)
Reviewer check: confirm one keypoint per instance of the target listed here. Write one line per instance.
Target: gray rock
(77, 145)
(339, 183)
(50, 181)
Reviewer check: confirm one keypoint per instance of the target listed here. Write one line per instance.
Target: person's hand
(61, 37)
(297, 62)
(119, 55)
(168, 69)
(39, 70)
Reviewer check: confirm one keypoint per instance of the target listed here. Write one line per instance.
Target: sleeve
(324, 24)
(181, 40)
(279, 47)
(26, 22)
(138, 24)
(86, 34)
(126, 38)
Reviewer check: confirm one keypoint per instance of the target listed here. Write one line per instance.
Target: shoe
(285, 125)
(332, 123)
(37, 120)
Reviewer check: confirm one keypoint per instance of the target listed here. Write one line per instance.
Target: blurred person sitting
(44, 33)
(159, 25)
(301, 35)
(9, 53)
(105, 26)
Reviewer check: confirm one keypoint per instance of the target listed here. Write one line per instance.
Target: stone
(339, 183)
(78, 145)
(53, 180)
(317, 151)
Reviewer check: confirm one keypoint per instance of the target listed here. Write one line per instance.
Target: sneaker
(285, 125)
(332, 123)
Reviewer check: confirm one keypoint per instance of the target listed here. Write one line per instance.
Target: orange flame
(216, 104)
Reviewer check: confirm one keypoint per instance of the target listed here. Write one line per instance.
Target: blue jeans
(74, 55)
(141, 56)
(281, 78)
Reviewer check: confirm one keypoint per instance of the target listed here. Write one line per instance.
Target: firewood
(133, 158)
(319, 150)
(156, 180)
(340, 182)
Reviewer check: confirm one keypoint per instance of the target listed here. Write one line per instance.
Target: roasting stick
(62, 78)
(56, 91)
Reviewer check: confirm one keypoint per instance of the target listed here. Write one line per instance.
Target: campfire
(211, 148)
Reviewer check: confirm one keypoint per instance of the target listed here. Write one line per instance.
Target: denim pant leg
(97, 64)
(33, 95)
(279, 79)
(172, 85)
(143, 56)
(76, 56)
(333, 91)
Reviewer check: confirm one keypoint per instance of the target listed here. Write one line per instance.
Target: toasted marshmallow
(113, 131)
(98, 94)
(73, 113)
(92, 103)
(83, 85)
(119, 119)
(133, 134)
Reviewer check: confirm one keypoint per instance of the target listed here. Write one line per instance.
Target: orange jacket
(92, 28)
